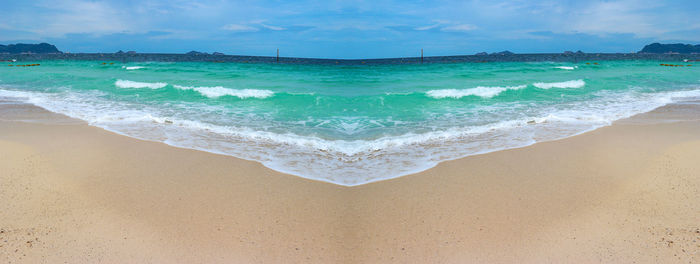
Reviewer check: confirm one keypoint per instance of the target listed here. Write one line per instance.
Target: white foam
(481, 91)
(133, 67)
(347, 162)
(218, 91)
(139, 85)
(568, 84)
(566, 67)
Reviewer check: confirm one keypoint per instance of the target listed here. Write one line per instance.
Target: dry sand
(71, 193)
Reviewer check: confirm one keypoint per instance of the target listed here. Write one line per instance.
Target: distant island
(46, 48)
(46, 51)
(671, 48)
(41, 48)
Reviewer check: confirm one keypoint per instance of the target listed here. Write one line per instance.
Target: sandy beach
(72, 193)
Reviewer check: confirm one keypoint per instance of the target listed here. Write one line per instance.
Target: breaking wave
(481, 91)
(139, 85)
(567, 84)
(218, 91)
(133, 67)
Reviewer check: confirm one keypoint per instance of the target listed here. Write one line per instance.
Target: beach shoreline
(290, 119)
(622, 193)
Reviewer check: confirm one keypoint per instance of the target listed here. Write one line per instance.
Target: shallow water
(349, 124)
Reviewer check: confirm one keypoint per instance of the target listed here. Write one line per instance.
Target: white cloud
(270, 27)
(438, 23)
(429, 27)
(459, 28)
(80, 17)
(239, 28)
(639, 17)
(611, 17)
(251, 26)
(447, 26)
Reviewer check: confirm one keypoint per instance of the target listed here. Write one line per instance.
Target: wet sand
(625, 193)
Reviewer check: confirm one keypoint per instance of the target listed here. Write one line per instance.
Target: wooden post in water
(421, 55)
(278, 55)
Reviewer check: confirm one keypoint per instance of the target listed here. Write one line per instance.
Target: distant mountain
(29, 48)
(505, 52)
(670, 48)
(196, 53)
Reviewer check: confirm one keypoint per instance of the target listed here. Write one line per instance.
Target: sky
(349, 29)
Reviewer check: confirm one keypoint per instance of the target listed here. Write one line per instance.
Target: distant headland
(41, 48)
(671, 48)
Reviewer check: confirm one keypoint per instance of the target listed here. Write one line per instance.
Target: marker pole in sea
(421, 55)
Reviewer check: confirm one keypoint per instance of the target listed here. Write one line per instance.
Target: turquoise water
(349, 124)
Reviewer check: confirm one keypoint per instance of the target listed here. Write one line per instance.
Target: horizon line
(202, 54)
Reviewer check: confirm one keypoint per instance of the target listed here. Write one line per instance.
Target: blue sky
(350, 29)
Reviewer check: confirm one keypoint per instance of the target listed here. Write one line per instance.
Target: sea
(349, 124)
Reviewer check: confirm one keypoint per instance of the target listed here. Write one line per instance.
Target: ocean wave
(566, 67)
(568, 84)
(218, 91)
(611, 107)
(138, 85)
(481, 91)
(347, 162)
(133, 67)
